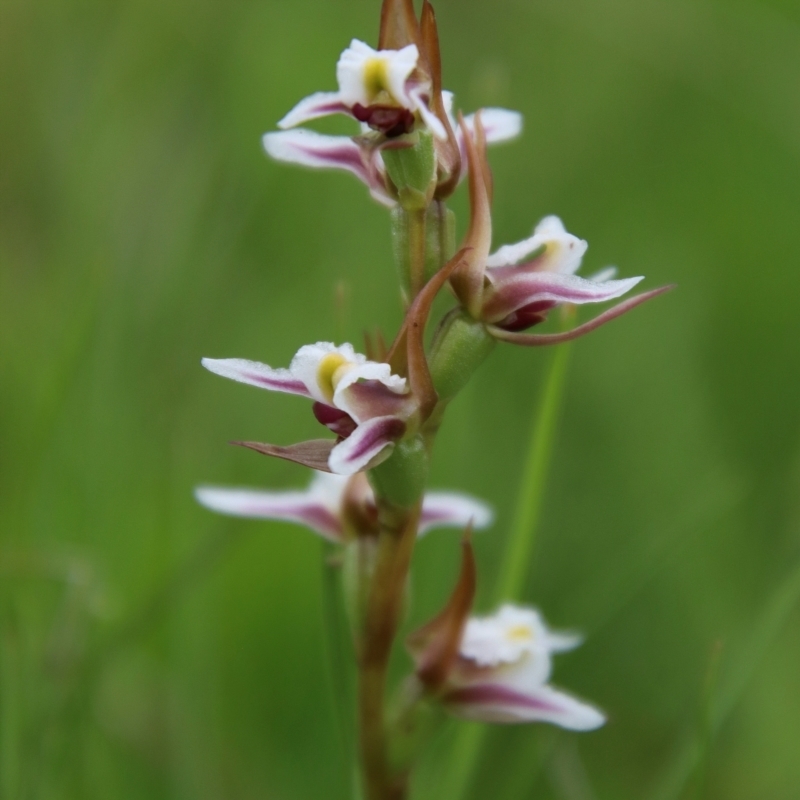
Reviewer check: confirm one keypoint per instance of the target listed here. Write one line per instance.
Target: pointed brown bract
(542, 339)
(467, 282)
(313, 453)
(399, 26)
(435, 645)
(407, 355)
(448, 151)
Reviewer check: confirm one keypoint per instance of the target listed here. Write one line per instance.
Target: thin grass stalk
(519, 549)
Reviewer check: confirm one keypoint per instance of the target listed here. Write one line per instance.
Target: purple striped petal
(519, 289)
(371, 440)
(297, 507)
(319, 151)
(256, 374)
(544, 339)
(320, 104)
(493, 702)
(453, 510)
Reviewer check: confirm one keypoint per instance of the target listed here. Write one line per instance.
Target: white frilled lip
(320, 506)
(359, 62)
(508, 635)
(560, 251)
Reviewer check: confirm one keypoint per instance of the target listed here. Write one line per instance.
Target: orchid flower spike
(340, 507)
(514, 288)
(391, 91)
(361, 401)
(496, 668)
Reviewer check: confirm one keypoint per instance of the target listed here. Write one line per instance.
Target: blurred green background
(150, 649)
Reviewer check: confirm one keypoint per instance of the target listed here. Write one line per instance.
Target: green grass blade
(519, 549)
(689, 757)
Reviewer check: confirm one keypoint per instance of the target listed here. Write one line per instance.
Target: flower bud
(410, 163)
(460, 347)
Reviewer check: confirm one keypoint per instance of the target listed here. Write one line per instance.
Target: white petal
(320, 151)
(312, 149)
(494, 703)
(499, 124)
(453, 510)
(328, 489)
(320, 104)
(604, 275)
(256, 374)
(300, 507)
(563, 250)
(563, 641)
(369, 443)
(520, 288)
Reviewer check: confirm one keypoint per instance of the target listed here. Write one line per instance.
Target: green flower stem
(417, 241)
(519, 549)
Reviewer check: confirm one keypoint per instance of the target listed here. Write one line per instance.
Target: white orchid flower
(326, 506)
(361, 401)
(527, 279)
(515, 287)
(496, 668)
(381, 88)
(502, 673)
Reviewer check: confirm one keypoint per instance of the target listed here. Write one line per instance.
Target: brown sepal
(435, 645)
(399, 26)
(543, 339)
(467, 282)
(448, 152)
(313, 453)
(407, 354)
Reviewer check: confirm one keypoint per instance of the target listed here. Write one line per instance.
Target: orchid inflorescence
(368, 496)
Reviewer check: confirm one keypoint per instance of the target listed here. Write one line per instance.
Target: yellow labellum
(520, 633)
(331, 370)
(376, 78)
